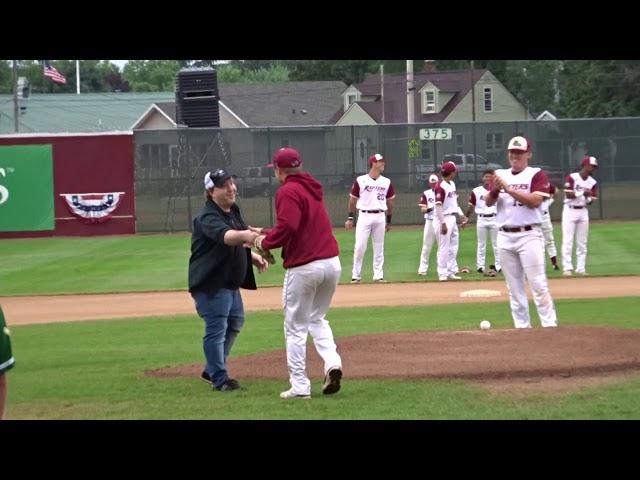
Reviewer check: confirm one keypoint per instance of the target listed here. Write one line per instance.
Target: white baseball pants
(522, 258)
(306, 295)
(369, 224)
(575, 223)
(447, 246)
(486, 226)
(428, 239)
(547, 232)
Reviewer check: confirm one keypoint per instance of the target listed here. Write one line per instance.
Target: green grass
(95, 370)
(159, 262)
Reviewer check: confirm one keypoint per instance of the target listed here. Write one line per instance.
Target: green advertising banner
(26, 188)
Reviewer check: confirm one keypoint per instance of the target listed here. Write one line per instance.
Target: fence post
(270, 176)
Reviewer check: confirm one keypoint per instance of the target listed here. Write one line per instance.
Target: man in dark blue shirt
(220, 264)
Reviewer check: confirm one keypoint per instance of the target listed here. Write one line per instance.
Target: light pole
(15, 96)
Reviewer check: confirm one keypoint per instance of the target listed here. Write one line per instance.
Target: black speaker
(197, 97)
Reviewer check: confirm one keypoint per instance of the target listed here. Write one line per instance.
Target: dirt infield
(504, 360)
(69, 308)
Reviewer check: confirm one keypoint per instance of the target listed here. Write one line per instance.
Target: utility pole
(15, 97)
(410, 90)
(473, 123)
(382, 89)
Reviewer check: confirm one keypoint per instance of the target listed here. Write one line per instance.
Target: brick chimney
(429, 66)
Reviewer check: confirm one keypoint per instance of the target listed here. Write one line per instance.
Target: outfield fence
(170, 164)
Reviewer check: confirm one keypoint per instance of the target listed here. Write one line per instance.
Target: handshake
(257, 245)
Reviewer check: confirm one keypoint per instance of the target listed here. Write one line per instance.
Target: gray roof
(67, 112)
(395, 93)
(270, 104)
(280, 104)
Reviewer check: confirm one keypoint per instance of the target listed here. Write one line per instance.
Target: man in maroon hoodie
(312, 270)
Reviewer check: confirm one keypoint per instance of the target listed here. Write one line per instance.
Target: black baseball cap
(216, 178)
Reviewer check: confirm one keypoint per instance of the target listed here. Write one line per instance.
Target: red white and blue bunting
(93, 207)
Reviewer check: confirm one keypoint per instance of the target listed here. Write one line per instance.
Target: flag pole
(78, 77)
(15, 97)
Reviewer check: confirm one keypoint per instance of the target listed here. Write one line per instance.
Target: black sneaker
(204, 376)
(332, 381)
(228, 385)
(556, 267)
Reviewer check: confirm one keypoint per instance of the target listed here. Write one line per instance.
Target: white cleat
(567, 273)
(454, 277)
(424, 274)
(442, 278)
(287, 394)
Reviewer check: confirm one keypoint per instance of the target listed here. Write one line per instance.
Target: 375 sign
(435, 134)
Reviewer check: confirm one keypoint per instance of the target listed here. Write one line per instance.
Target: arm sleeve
(423, 201)
(540, 184)
(391, 193)
(472, 199)
(288, 214)
(594, 191)
(568, 184)
(355, 189)
(214, 227)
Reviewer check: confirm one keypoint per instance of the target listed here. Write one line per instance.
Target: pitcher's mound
(504, 360)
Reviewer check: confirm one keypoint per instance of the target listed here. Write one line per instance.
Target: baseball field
(102, 328)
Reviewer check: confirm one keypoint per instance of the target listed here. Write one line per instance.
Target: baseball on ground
(485, 325)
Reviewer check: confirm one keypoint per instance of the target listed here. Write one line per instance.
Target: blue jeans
(223, 315)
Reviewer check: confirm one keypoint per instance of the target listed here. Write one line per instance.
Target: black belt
(517, 229)
(577, 208)
(486, 214)
(429, 210)
(371, 211)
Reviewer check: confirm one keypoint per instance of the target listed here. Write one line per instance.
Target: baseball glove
(465, 270)
(266, 254)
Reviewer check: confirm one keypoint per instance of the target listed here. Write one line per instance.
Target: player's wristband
(350, 216)
(389, 219)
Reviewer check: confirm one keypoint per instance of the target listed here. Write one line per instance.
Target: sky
(120, 63)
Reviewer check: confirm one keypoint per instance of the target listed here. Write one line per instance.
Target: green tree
(151, 75)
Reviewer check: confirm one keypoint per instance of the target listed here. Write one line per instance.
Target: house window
(459, 143)
(488, 99)
(429, 101)
(349, 99)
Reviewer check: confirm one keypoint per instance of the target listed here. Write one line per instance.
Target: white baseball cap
(433, 178)
(520, 144)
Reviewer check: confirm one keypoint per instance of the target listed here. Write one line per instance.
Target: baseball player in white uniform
(485, 224)
(372, 194)
(580, 189)
(445, 223)
(518, 192)
(547, 228)
(427, 204)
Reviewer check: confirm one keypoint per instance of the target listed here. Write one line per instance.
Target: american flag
(54, 74)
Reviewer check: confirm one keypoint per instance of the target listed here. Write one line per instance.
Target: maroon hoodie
(303, 228)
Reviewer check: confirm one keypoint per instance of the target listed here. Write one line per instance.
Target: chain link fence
(170, 164)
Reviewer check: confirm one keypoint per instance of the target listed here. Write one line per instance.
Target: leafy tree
(151, 75)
